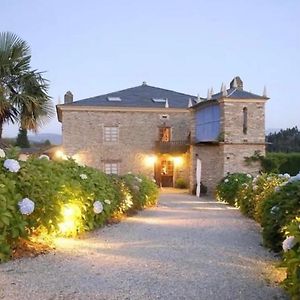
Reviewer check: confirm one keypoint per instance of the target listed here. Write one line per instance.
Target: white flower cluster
(83, 176)
(2, 153)
(288, 243)
(274, 210)
(226, 180)
(44, 156)
(97, 207)
(23, 157)
(26, 206)
(284, 176)
(294, 178)
(249, 175)
(12, 165)
(138, 179)
(107, 201)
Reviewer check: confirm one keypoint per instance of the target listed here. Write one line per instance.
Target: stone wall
(232, 121)
(83, 136)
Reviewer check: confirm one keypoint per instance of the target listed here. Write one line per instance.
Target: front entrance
(164, 171)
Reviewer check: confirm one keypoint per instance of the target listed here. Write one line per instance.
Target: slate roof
(235, 93)
(139, 96)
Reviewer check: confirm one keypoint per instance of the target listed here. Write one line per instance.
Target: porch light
(178, 161)
(150, 160)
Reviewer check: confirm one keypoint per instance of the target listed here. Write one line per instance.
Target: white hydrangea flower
(236, 180)
(255, 187)
(83, 176)
(135, 187)
(2, 153)
(107, 201)
(138, 179)
(226, 180)
(12, 165)
(277, 189)
(154, 180)
(294, 178)
(288, 243)
(97, 207)
(274, 210)
(287, 176)
(26, 206)
(44, 156)
(249, 176)
(23, 157)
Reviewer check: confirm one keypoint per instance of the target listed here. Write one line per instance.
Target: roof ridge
(169, 90)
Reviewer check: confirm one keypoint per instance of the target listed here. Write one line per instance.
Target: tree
(23, 91)
(287, 140)
(22, 139)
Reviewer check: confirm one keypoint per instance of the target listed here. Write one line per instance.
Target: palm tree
(23, 92)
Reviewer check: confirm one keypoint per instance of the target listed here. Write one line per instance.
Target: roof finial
(144, 83)
(224, 91)
(208, 94)
(190, 104)
(198, 98)
(167, 103)
(265, 92)
(222, 87)
(234, 85)
(211, 91)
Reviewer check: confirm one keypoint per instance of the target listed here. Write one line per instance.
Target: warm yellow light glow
(178, 161)
(59, 154)
(71, 220)
(150, 160)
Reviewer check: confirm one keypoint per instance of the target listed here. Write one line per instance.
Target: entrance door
(164, 172)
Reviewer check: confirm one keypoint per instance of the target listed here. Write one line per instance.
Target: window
(111, 134)
(245, 120)
(164, 117)
(114, 99)
(165, 134)
(159, 100)
(111, 168)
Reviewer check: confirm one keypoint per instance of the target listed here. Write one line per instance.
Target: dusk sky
(95, 47)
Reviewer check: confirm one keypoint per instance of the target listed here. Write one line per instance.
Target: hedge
(62, 198)
(273, 201)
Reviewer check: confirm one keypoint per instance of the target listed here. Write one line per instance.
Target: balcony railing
(172, 146)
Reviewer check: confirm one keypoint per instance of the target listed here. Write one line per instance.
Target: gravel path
(185, 248)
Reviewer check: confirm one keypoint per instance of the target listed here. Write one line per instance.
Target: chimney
(68, 98)
(236, 83)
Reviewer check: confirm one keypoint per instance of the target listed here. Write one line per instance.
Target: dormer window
(159, 100)
(114, 99)
(245, 120)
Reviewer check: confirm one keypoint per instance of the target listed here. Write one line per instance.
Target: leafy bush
(253, 194)
(227, 190)
(181, 183)
(64, 199)
(278, 211)
(291, 258)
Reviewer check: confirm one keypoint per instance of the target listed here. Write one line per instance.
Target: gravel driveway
(185, 248)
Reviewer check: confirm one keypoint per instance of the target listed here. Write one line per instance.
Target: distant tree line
(287, 140)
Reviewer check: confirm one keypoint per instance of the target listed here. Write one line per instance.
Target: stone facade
(138, 132)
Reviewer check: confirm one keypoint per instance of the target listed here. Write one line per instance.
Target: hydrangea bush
(227, 190)
(61, 198)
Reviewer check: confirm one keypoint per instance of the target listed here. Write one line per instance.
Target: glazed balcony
(172, 146)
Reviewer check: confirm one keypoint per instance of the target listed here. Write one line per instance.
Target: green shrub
(67, 198)
(291, 258)
(181, 183)
(277, 211)
(227, 190)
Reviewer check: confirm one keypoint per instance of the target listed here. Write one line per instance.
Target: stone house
(163, 133)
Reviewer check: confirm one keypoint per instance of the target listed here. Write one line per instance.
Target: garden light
(71, 220)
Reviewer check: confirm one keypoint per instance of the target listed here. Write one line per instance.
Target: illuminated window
(111, 134)
(111, 168)
(245, 120)
(165, 134)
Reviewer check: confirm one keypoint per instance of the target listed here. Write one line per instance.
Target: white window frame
(111, 134)
(111, 168)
